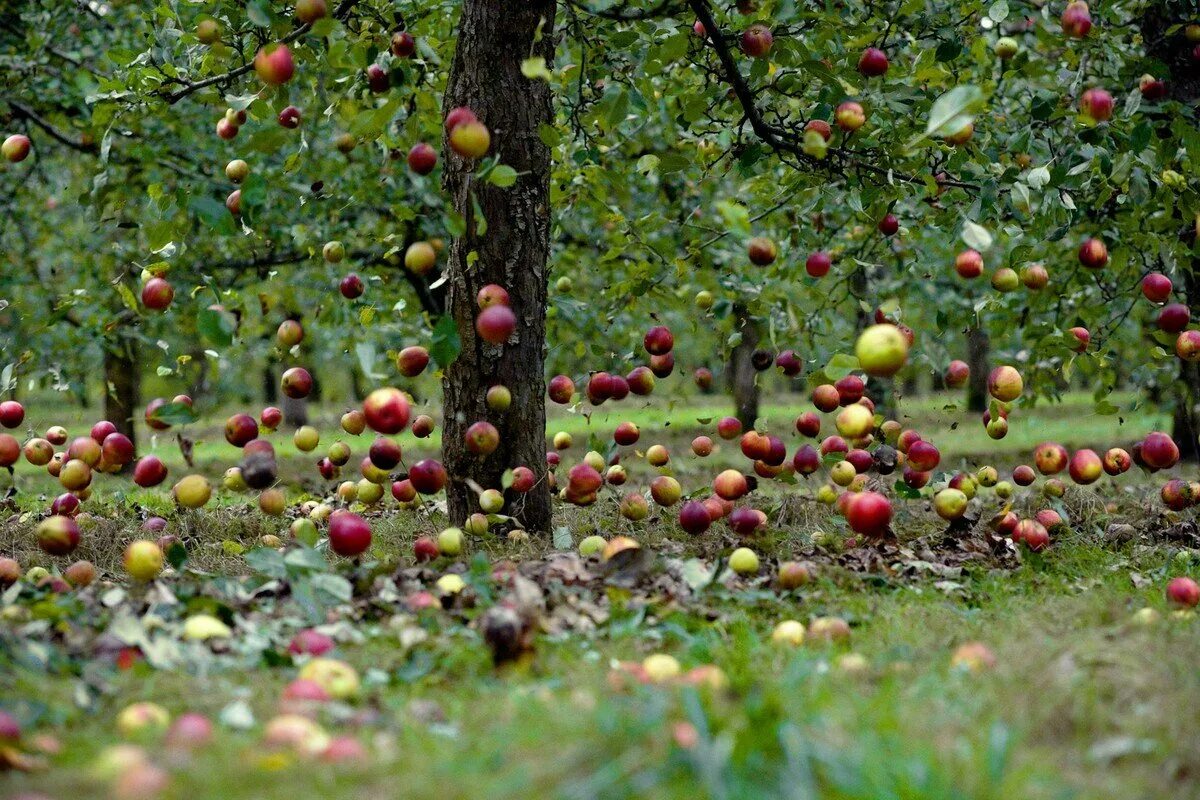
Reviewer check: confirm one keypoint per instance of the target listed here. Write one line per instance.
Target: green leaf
(976, 236)
(562, 538)
(998, 11)
(952, 112)
(365, 352)
(535, 68)
(216, 326)
(331, 588)
(841, 365)
(503, 176)
(267, 561)
(174, 414)
(445, 344)
(213, 212)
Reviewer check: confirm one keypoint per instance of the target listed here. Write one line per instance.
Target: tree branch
(28, 113)
(777, 138)
(188, 87)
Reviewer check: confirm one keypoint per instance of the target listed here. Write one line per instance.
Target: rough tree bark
(494, 37)
(740, 373)
(122, 386)
(978, 346)
(1174, 51)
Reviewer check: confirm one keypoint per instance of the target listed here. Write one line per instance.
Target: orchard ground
(1088, 695)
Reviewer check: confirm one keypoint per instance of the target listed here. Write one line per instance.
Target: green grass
(1083, 702)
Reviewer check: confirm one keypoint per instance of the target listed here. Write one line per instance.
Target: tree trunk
(494, 38)
(977, 359)
(740, 373)
(1183, 84)
(122, 387)
(1185, 423)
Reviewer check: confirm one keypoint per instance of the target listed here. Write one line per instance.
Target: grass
(1083, 702)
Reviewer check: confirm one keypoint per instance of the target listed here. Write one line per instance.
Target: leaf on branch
(976, 236)
(952, 112)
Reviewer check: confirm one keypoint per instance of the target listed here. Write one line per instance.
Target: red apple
(869, 513)
(289, 117)
(491, 295)
(1156, 287)
(403, 44)
(296, 383)
(411, 361)
(1183, 592)
(873, 62)
(1076, 20)
(658, 340)
(16, 147)
(756, 41)
(969, 264)
(818, 264)
(1174, 318)
(1093, 254)
(349, 534)
(12, 413)
(351, 286)
(562, 389)
(495, 324)
(386, 410)
(422, 158)
(1097, 105)
(427, 476)
(157, 294)
(850, 116)
(274, 64)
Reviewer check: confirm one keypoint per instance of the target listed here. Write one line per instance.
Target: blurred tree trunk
(978, 347)
(494, 38)
(1183, 84)
(122, 387)
(740, 373)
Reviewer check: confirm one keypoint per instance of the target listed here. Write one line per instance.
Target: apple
(662, 366)
(658, 340)
(729, 427)
(855, 421)
(743, 561)
(272, 502)
(1152, 88)
(491, 295)
(756, 41)
(55, 434)
(16, 147)
(386, 410)
(1005, 384)
(378, 80)
(58, 535)
(950, 504)
(149, 471)
(869, 513)
(274, 64)
(1076, 20)
(1032, 534)
(1082, 337)
(872, 63)
(75, 475)
(1035, 277)
(807, 460)
(1006, 47)
(960, 136)
(296, 383)
(289, 117)
(754, 445)
(143, 560)
(470, 139)
(1177, 494)
(657, 455)
(834, 444)
(808, 424)
(427, 476)
(1093, 254)
(117, 450)
(240, 429)
(882, 350)
(849, 389)
(192, 491)
(482, 438)
(1156, 287)
(226, 129)
(1174, 318)
(459, 116)
(349, 534)
(761, 251)
(1187, 346)
(157, 294)
(495, 324)
(923, 456)
(309, 11)
(1117, 461)
(1096, 105)
(403, 44)
(351, 286)
(830, 630)
(1183, 592)
(270, 418)
(818, 264)
(665, 490)
(789, 363)
(641, 381)
(420, 258)
(969, 264)
(850, 116)
(1159, 450)
(38, 452)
